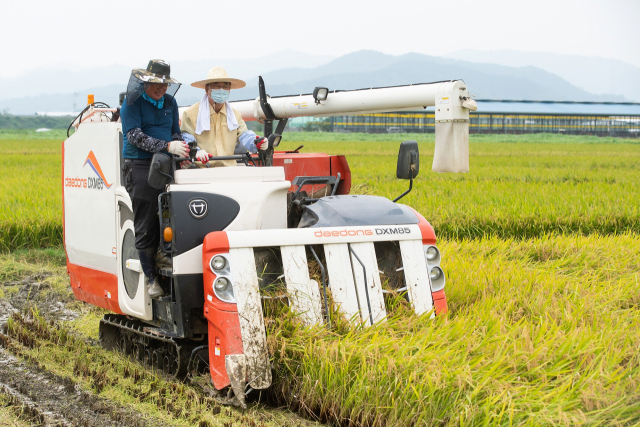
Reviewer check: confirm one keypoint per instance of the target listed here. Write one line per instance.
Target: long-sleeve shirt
(147, 129)
(219, 141)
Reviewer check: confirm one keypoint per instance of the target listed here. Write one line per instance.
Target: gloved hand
(185, 165)
(179, 148)
(202, 156)
(261, 143)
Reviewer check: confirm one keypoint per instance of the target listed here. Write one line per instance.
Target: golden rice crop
(540, 332)
(30, 194)
(514, 188)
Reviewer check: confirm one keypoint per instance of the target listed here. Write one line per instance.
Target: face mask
(219, 96)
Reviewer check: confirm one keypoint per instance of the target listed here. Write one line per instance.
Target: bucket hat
(219, 74)
(158, 71)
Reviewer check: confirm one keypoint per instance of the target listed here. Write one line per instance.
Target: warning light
(90, 99)
(168, 234)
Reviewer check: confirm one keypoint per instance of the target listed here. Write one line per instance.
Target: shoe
(154, 290)
(163, 261)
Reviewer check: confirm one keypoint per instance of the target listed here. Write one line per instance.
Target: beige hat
(219, 74)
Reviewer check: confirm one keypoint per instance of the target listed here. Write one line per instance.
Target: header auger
(232, 231)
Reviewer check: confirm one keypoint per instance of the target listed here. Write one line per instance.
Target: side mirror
(274, 140)
(408, 160)
(160, 171)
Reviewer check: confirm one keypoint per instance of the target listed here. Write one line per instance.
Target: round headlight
(221, 284)
(432, 253)
(218, 262)
(435, 273)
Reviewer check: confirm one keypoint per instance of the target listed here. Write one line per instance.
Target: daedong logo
(98, 182)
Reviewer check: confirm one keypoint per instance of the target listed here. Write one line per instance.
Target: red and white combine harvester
(232, 231)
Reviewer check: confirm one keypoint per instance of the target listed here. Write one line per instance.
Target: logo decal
(198, 208)
(93, 162)
(397, 230)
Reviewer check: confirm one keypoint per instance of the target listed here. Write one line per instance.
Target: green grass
(28, 135)
(522, 186)
(540, 332)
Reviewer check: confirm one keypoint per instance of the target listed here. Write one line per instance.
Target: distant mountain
(353, 71)
(371, 69)
(59, 102)
(592, 74)
(15, 92)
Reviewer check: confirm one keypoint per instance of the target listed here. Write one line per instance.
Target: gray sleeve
(146, 142)
(177, 137)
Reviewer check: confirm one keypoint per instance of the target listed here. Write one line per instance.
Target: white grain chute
(451, 100)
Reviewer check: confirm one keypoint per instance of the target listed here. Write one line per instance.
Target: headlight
(221, 284)
(432, 253)
(223, 288)
(218, 262)
(435, 273)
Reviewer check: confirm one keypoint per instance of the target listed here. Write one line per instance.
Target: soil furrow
(55, 400)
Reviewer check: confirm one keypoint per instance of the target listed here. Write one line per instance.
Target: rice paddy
(515, 188)
(541, 247)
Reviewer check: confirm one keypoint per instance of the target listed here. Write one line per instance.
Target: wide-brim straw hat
(219, 74)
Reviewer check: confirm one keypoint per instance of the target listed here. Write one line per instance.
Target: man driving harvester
(215, 125)
(150, 124)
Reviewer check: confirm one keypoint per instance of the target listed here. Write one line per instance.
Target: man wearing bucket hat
(215, 125)
(150, 124)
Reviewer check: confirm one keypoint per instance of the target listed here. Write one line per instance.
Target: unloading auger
(232, 232)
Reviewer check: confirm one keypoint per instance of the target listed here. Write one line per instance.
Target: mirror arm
(335, 187)
(406, 192)
(168, 176)
(156, 166)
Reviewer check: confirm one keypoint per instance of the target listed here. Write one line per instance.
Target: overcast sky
(36, 33)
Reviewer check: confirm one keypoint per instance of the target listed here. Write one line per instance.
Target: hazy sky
(94, 33)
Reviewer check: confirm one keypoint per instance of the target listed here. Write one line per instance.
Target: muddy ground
(41, 397)
(33, 395)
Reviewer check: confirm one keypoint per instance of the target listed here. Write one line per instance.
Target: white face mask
(219, 96)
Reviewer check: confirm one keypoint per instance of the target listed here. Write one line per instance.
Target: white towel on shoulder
(204, 116)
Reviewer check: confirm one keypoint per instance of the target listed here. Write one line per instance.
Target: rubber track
(170, 355)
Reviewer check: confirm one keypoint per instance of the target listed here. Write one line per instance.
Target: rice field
(541, 248)
(541, 331)
(515, 188)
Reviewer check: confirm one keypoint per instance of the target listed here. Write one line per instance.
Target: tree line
(9, 121)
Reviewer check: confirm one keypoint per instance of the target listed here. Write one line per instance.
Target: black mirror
(160, 171)
(408, 160)
(274, 140)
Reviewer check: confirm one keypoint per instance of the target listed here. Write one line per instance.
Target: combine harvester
(231, 231)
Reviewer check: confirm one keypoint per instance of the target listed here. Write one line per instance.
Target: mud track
(50, 400)
(42, 397)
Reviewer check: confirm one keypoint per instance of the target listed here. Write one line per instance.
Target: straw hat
(219, 74)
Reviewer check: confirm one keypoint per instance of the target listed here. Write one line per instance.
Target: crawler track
(137, 340)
